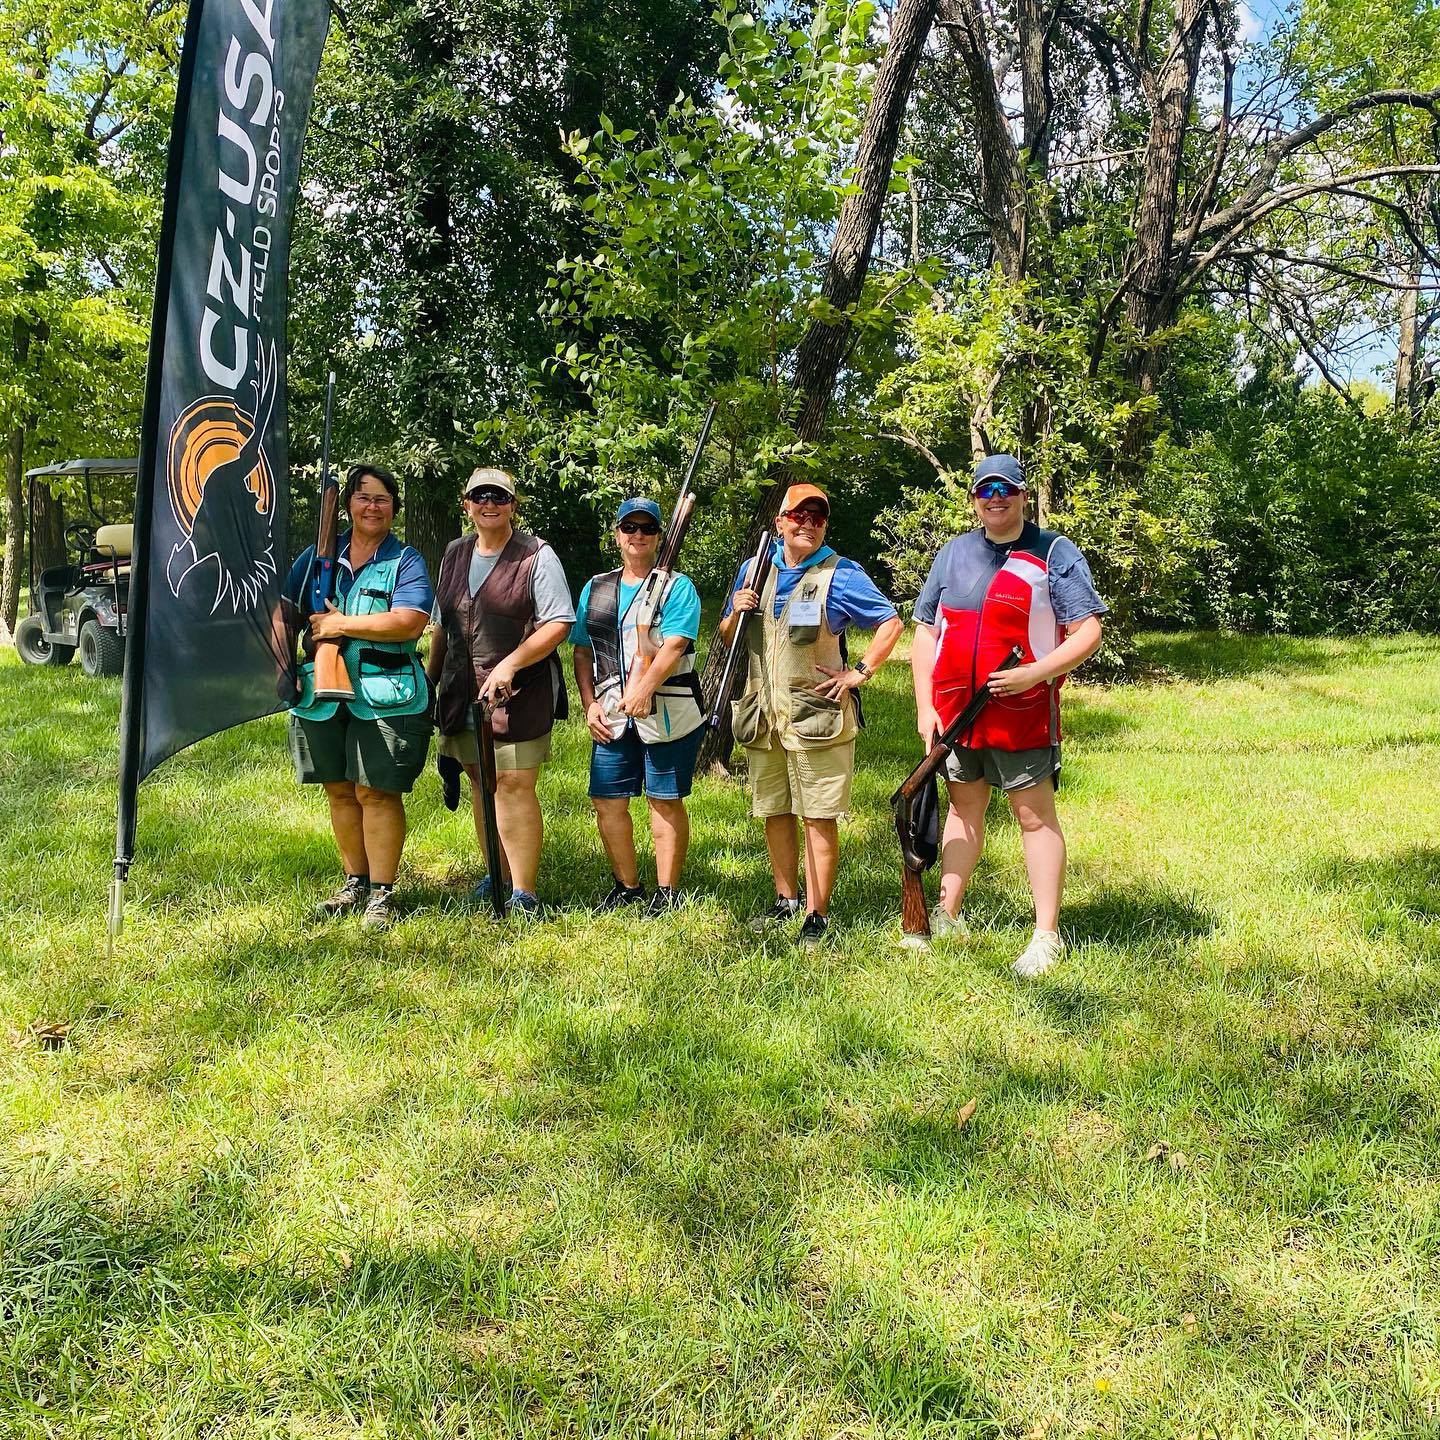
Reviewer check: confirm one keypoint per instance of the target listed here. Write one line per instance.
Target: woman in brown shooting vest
(504, 607)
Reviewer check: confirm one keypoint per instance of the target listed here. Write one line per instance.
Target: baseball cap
(999, 467)
(638, 505)
(797, 495)
(489, 475)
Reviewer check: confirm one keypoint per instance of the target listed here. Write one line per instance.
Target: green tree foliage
(85, 91)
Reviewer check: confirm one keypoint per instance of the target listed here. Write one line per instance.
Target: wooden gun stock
(914, 916)
(331, 674)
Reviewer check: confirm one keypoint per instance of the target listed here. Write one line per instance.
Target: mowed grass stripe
(602, 1178)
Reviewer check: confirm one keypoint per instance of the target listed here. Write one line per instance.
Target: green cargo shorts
(1005, 769)
(386, 754)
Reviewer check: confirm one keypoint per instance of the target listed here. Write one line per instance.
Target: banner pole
(132, 685)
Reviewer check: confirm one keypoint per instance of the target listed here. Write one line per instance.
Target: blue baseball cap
(999, 467)
(638, 505)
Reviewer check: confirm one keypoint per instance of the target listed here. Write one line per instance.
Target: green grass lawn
(609, 1178)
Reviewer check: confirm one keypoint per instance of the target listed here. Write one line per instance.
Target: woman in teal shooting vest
(367, 752)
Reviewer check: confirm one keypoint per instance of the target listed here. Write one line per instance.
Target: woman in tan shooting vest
(800, 712)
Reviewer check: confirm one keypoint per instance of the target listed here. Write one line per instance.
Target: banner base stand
(115, 915)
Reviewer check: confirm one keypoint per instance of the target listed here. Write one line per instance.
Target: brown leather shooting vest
(482, 629)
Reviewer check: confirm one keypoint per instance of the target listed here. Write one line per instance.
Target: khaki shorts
(814, 784)
(509, 754)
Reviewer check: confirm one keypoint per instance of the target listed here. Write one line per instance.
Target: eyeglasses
(806, 517)
(996, 490)
(488, 495)
(634, 527)
(380, 501)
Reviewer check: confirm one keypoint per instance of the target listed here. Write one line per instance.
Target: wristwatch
(864, 669)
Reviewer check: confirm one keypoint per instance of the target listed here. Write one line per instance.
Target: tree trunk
(1151, 298)
(1408, 351)
(821, 353)
(11, 582)
(48, 528)
(1002, 177)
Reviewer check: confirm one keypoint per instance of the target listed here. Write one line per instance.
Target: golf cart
(80, 605)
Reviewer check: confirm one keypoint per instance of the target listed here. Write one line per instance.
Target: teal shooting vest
(387, 674)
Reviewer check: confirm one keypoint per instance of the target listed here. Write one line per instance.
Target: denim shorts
(628, 766)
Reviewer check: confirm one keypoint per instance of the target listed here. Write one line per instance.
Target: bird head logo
(222, 494)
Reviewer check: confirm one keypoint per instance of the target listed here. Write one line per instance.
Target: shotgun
(757, 573)
(332, 679)
(651, 599)
(490, 825)
(909, 802)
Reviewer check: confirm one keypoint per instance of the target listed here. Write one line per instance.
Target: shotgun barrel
(490, 824)
(651, 599)
(757, 574)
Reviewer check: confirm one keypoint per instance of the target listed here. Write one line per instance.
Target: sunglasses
(636, 527)
(488, 495)
(806, 517)
(996, 490)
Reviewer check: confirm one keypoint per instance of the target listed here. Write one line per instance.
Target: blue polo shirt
(854, 598)
(413, 590)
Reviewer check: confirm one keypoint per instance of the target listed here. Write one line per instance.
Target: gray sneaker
(378, 912)
(942, 923)
(350, 896)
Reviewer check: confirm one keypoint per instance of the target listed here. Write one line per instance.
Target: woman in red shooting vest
(1008, 583)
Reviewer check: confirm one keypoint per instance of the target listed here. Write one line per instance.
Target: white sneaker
(942, 923)
(1041, 954)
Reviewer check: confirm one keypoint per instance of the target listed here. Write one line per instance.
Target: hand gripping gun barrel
(332, 679)
(651, 599)
(917, 810)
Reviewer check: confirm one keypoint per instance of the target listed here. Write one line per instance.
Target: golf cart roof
(86, 467)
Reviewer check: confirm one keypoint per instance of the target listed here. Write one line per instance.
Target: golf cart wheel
(102, 651)
(34, 649)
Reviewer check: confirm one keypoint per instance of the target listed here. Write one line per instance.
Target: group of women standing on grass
(502, 608)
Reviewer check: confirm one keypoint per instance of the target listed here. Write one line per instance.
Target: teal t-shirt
(680, 615)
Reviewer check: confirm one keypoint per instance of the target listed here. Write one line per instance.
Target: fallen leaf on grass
(1175, 1159)
(51, 1036)
(1116, 1318)
(963, 1114)
(1188, 1323)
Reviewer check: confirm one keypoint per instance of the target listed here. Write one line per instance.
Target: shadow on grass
(1136, 915)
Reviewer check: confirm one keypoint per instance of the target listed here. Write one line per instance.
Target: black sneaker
(780, 913)
(663, 901)
(350, 896)
(622, 895)
(814, 930)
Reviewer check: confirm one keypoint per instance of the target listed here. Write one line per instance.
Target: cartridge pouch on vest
(387, 674)
(781, 704)
(679, 709)
(482, 629)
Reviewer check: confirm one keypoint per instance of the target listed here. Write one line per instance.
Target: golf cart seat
(119, 538)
